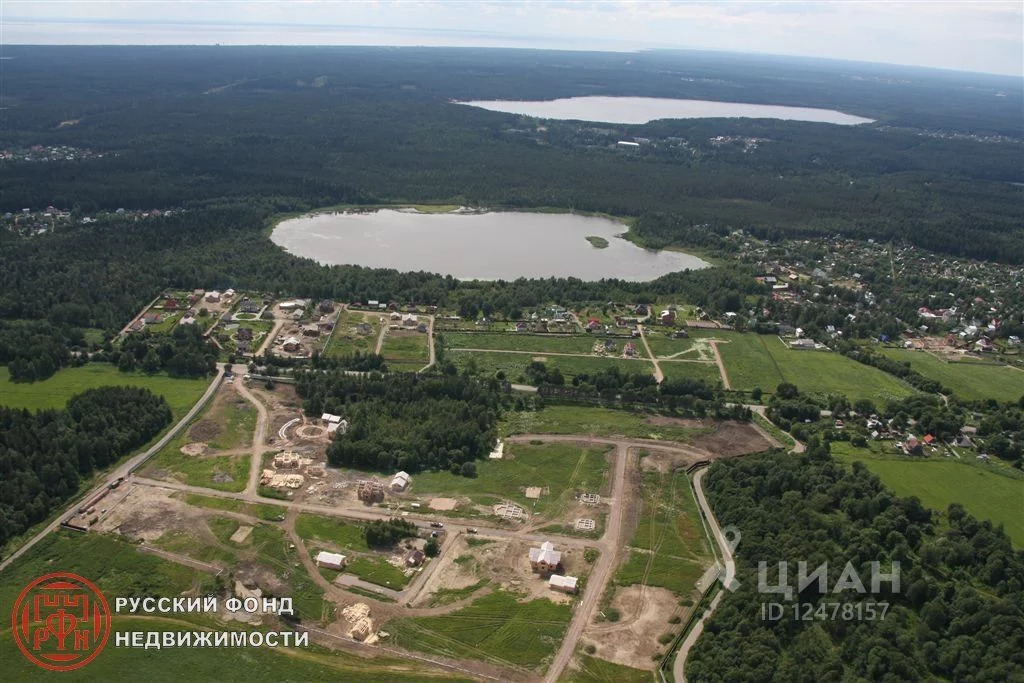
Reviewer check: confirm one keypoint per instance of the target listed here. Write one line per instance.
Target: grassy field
(561, 467)
(116, 567)
(346, 339)
(594, 670)
(669, 547)
(764, 361)
(970, 381)
(664, 347)
(54, 392)
(985, 491)
(708, 372)
(522, 342)
(200, 470)
(224, 664)
(406, 346)
(377, 570)
(497, 628)
(748, 362)
(236, 418)
(264, 512)
(558, 419)
(331, 530)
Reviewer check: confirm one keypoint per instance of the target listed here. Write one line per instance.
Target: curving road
(730, 575)
(121, 471)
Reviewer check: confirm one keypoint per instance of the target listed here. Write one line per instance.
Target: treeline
(405, 422)
(45, 455)
(957, 613)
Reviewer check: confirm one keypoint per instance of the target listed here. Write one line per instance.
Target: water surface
(485, 246)
(638, 110)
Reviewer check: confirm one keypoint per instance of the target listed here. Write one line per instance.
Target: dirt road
(721, 366)
(380, 337)
(599, 576)
(659, 376)
(730, 575)
(259, 434)
(431, 354)
(122, 470)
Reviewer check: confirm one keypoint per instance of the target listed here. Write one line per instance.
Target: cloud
(973, 36)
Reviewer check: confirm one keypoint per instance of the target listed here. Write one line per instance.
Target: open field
(594, 670)
(331, 530)
(969, 381)
(522, 342)
(220, 472)
(669, 548)
(54, 392)
(748, 361)
(405, 346)
(116, 567)
(764, 361)
(377, 570)
(563, 468)
(264, 512)
(558, 419)
(708, 372)
(497, 627)
(665, 347)
(987, 493)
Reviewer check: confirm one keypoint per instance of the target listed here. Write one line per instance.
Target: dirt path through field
(380, 337)
(659, 376)
(721, 366)
(259, 435)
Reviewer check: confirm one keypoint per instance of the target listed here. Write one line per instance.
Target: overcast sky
(975, 35)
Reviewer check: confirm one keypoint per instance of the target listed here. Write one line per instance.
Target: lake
(484, 246)
(638, 110)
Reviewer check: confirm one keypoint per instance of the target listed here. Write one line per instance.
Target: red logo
(61, 621)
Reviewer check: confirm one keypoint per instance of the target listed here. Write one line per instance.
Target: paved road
(601, 572)
(730, 575)
(122, 470)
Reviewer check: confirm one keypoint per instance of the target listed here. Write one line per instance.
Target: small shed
(330, 560)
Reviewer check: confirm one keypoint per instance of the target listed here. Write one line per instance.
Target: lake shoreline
(375, 236)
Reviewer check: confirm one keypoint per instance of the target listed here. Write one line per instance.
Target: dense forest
(405, 422)
(956, 616)
(380, 126)
(44, 455)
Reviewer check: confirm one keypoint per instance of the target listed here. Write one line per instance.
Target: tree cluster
(45, 455)
(406, 422)
(956, 616)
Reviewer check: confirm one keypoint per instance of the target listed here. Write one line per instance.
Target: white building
(330, 560)
(400, 482)
(566, 584)
(213, 297)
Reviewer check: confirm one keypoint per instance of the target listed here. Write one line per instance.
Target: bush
(468, 469)
(666, 638)
(675, 619)
(590, 649)
(612, 614)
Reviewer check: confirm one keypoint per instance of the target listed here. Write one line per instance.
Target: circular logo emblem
(61, 621)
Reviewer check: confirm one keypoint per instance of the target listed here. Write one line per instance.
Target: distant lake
(637, 110)
(484, 246)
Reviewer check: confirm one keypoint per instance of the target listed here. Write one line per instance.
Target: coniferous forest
(44, 455)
